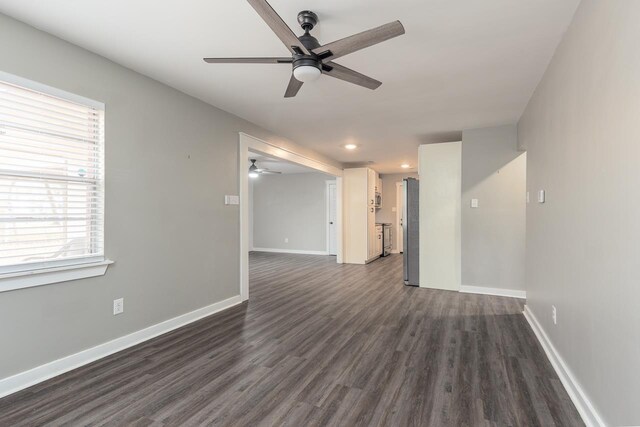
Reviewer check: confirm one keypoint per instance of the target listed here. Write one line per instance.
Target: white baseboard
(579, 398)
(513, 293)
(395, 251)
(290, 251)
(49, 370)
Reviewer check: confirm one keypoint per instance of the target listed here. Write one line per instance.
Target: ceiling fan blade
(268, 172)
(293, 87)
(338, 48)
(278, 26)
(248, 60)
(348, 75)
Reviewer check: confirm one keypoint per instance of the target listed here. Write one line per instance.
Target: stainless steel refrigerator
(410, 233)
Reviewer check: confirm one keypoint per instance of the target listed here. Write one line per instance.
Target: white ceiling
(461, 64)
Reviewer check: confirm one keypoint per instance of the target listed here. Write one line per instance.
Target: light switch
(541, 196)
(474, 203)
(231, 200)
(118, 306)
(527, 197)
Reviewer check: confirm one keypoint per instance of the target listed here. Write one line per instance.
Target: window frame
(21, 275)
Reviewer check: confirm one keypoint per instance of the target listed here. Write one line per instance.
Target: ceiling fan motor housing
(307, 20)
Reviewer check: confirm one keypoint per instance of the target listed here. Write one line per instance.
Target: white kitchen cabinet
(360, 238)
(371, 234)
(379, 231)
(372, 183)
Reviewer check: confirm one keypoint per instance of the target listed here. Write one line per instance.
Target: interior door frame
(399, 195)
(329, 183)
(250, 143)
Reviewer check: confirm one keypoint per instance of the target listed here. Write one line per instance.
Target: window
(51, 177)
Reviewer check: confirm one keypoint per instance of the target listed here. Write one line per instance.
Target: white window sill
(47, 276)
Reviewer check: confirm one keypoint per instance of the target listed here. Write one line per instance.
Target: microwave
(378, 200)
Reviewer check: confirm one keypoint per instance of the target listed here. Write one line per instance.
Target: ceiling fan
(309, 58)
(255, 171)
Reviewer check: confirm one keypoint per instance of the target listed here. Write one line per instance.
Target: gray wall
(170, 159)
(493, 235)
(582, 138)
(385, 213)
(290, 206)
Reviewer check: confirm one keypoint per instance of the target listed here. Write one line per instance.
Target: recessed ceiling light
(350, 146)
(405, 166)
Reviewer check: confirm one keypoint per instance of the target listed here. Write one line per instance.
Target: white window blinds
(51, 177)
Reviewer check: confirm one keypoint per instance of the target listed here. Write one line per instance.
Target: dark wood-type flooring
(320, 344)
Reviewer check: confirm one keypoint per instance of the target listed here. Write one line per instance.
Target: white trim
(395, 251)
(273, 150)
(513, 293)
(49, 370)
(51, 91)
(340, 218)
(47, 276)
(579, 398)
(250, 143)
(243, 155)
(290, 251)
(327, 214)
(28, 267)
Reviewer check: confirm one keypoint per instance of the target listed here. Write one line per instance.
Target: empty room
(319, 213)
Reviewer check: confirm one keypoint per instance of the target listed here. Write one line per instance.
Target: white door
(399, 215)
(332, 233)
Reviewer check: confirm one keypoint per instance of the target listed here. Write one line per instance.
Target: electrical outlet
(554, 314)
(286, 240)
(118, 306)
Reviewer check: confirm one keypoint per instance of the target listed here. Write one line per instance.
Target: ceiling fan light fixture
(306, 73)
(253, 175)
(350, 146)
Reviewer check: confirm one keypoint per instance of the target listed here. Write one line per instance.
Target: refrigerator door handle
(410, 231)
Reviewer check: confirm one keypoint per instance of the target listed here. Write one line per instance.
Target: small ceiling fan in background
(309, 58)
(255, 171)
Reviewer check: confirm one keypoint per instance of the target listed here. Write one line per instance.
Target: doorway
(332, 218)
(247, 144)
